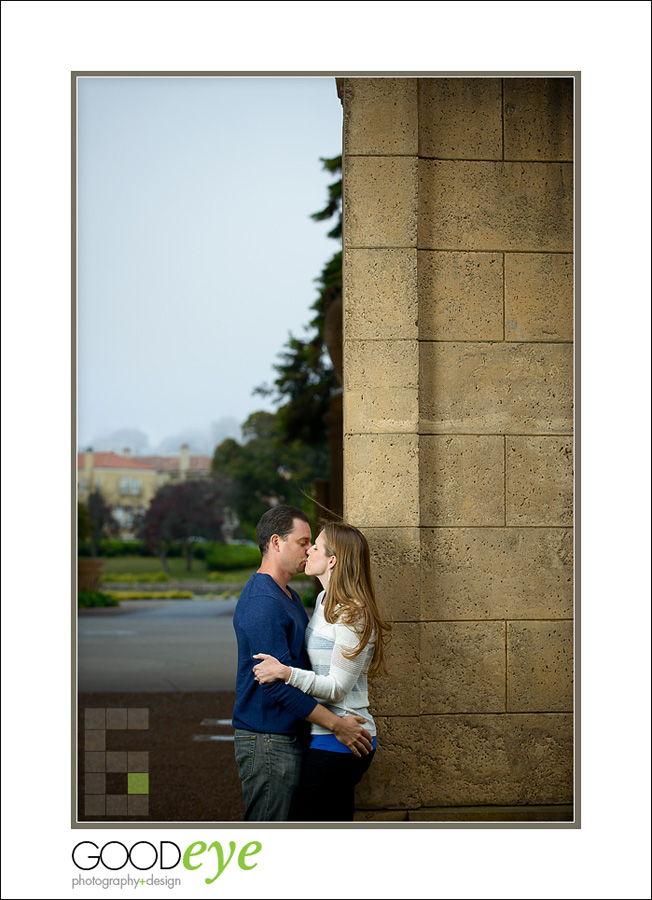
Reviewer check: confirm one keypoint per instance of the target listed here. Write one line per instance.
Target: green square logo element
(137, 783)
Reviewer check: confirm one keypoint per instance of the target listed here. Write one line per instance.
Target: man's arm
(263, 626)
(347, 729)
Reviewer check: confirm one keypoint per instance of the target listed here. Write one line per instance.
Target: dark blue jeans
(269, 767)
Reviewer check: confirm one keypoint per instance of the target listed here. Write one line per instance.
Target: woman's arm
(342, 675)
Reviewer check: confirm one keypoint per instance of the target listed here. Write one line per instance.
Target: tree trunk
(164, 561)
(188, 556)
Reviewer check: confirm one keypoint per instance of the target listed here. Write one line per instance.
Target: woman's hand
(270, 669)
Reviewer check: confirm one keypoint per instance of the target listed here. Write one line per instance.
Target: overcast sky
(196, 251)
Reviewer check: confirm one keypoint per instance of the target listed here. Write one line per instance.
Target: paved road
(184, 645)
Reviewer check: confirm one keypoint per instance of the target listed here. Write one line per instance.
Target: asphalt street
(180, 645)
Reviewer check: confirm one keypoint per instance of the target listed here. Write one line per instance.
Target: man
(270, 720)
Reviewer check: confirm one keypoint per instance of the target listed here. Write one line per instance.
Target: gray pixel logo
(99, 761)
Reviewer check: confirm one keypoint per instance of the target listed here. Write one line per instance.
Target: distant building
(128, 483)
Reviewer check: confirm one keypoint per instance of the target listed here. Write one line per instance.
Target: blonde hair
(350, 596)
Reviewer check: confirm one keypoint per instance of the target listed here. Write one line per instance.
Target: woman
(345, 642)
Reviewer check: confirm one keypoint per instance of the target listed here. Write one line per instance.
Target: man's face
(294, 549)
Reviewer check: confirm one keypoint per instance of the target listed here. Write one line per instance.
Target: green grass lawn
(138, 565)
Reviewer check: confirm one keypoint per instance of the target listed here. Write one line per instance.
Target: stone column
(458, 375)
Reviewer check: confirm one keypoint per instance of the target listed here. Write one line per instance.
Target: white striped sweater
(340, 684)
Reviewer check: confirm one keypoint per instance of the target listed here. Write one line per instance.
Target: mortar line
(502, 619)
(506, 663)
(453, 341)
(504, 481)
(501, 527)
(523, 712)
(502, 116)
(495, 250)
(504, 313)
(450, 159)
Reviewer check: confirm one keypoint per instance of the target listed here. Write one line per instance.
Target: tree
(83, 522)
(181, 512)
(306, 377)
(102, 523)
(266, 470)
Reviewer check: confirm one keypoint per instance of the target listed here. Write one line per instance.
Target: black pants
(326, 790)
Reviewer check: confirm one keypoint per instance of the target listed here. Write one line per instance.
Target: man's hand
(350, 732)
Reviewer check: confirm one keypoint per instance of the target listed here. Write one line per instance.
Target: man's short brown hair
(277, 520)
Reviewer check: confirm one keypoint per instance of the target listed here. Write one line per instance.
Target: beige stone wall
(458, 387)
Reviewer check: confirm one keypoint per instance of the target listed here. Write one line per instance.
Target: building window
(131, 486)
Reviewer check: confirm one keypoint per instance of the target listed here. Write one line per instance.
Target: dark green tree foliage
(101, 521)
(306, 380)
(180, 512)
(83, 522)
(264, 469)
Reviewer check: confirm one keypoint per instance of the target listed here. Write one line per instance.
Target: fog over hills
(201, 441)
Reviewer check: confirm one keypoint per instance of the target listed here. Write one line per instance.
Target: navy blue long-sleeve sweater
(266, 620)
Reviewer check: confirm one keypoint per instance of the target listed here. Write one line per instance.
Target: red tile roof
(113, 461)
(151, 463)
(172, 463)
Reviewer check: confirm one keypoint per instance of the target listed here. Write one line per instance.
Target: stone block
(540, 666)
(399, 692)
(381, 364)
(381, 411)
(538, 297)
(381, 479)
(495, 206)
(380, 116)
(556, 813)
(496, 573)
(460, 296)
(496, 388)
(381, 387)
(460, 118)
(380, 201)
(538, 118)
(463, 667)
(393, 779)
(380, 294)
(461, 479)
(380, 815)
(497, 759)
(539, 480)
(396, 571)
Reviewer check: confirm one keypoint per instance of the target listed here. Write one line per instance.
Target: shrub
(226, 557)
(151, 595)
(113, 547)
(89, 599)
(135, 578)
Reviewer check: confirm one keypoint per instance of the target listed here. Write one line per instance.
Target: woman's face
(318, 562)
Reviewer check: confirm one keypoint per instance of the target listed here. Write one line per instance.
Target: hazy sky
(196, 251)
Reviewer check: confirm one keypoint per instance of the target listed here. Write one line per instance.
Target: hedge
(91, 599)
(227, 557)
